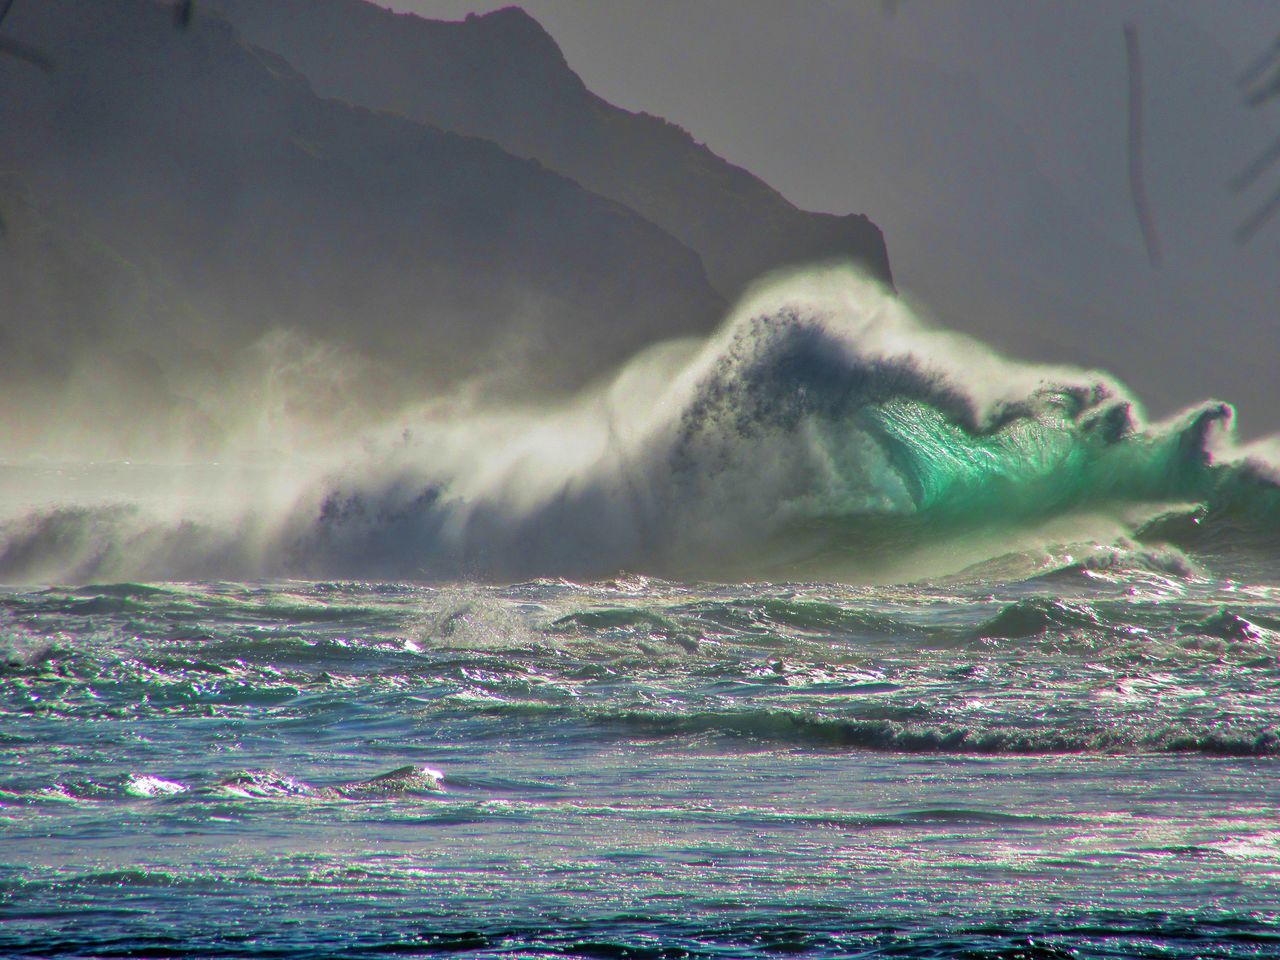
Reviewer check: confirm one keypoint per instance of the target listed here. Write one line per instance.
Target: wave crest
(825, 431)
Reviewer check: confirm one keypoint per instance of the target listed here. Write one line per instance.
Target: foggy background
(418, 285)
(988, 141)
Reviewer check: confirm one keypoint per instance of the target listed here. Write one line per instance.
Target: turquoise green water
(934, 655)
(1084, 765)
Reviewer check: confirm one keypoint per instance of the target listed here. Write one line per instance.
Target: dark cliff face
(501, 76)
(218, 179)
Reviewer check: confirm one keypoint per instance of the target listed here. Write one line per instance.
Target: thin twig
(1259, 218)
(1255, 169)
(1137, 186)
(25, 51)
(1256, 69)
(1264, 92)
(1258, 88)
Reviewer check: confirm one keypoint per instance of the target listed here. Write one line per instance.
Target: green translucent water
(348, 722)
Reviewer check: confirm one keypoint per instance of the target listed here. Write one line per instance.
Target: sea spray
(823, 431)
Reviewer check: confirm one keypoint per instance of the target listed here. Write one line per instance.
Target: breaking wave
(792, 727)
(824, 431)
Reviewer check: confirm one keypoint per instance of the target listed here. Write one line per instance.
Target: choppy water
(1055, 736)
(1080, 763)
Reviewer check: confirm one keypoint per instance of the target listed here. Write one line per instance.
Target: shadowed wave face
(824, 431)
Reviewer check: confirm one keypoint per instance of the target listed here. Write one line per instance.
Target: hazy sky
(987, 139)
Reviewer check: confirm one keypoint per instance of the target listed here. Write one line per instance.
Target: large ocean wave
(824, 431)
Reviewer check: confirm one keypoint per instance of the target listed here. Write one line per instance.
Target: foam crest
(824, 431)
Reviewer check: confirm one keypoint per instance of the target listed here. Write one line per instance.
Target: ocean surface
(922, 653)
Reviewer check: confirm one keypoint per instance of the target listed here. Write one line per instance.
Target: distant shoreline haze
(212, 242)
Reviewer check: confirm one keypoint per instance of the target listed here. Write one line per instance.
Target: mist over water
(403, 550)
(824, 430)
(919, 652)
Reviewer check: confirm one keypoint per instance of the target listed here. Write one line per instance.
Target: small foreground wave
(796, 728)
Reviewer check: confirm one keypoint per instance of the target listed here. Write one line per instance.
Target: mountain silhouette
(503, 77)
(193, 227)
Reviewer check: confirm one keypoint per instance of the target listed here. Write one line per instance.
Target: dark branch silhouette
(183, 13)
(1137, 185)
(1258, 219)
(1260, 65)
(1259, 86)
(1263, 92)
(25, 51)
(18, 49)
(1257, 168)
